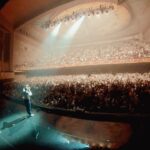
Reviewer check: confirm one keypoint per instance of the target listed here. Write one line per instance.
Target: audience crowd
(123, 52)
(128, 92)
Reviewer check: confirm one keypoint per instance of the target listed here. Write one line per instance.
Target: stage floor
(18, 131)
(50, 131)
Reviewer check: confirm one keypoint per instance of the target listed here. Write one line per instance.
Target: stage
(46, 130)
(18, 131)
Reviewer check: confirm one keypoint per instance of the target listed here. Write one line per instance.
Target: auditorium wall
(6, 42)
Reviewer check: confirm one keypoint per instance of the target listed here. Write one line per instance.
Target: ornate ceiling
(128, 18)
(124, 20)
(18, 12)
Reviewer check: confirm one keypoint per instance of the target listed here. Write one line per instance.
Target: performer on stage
(27, 99)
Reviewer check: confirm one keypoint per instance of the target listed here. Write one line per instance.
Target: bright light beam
(56, 30)
(50, 41)
(72, 31)
(52, 36)
(69, 35)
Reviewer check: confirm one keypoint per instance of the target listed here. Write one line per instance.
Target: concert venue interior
(88, 65)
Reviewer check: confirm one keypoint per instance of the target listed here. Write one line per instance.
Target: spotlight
(72, 31)
(56, 29)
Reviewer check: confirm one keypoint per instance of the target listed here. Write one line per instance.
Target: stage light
(56, 30)
(75, 27)
(51, 39)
